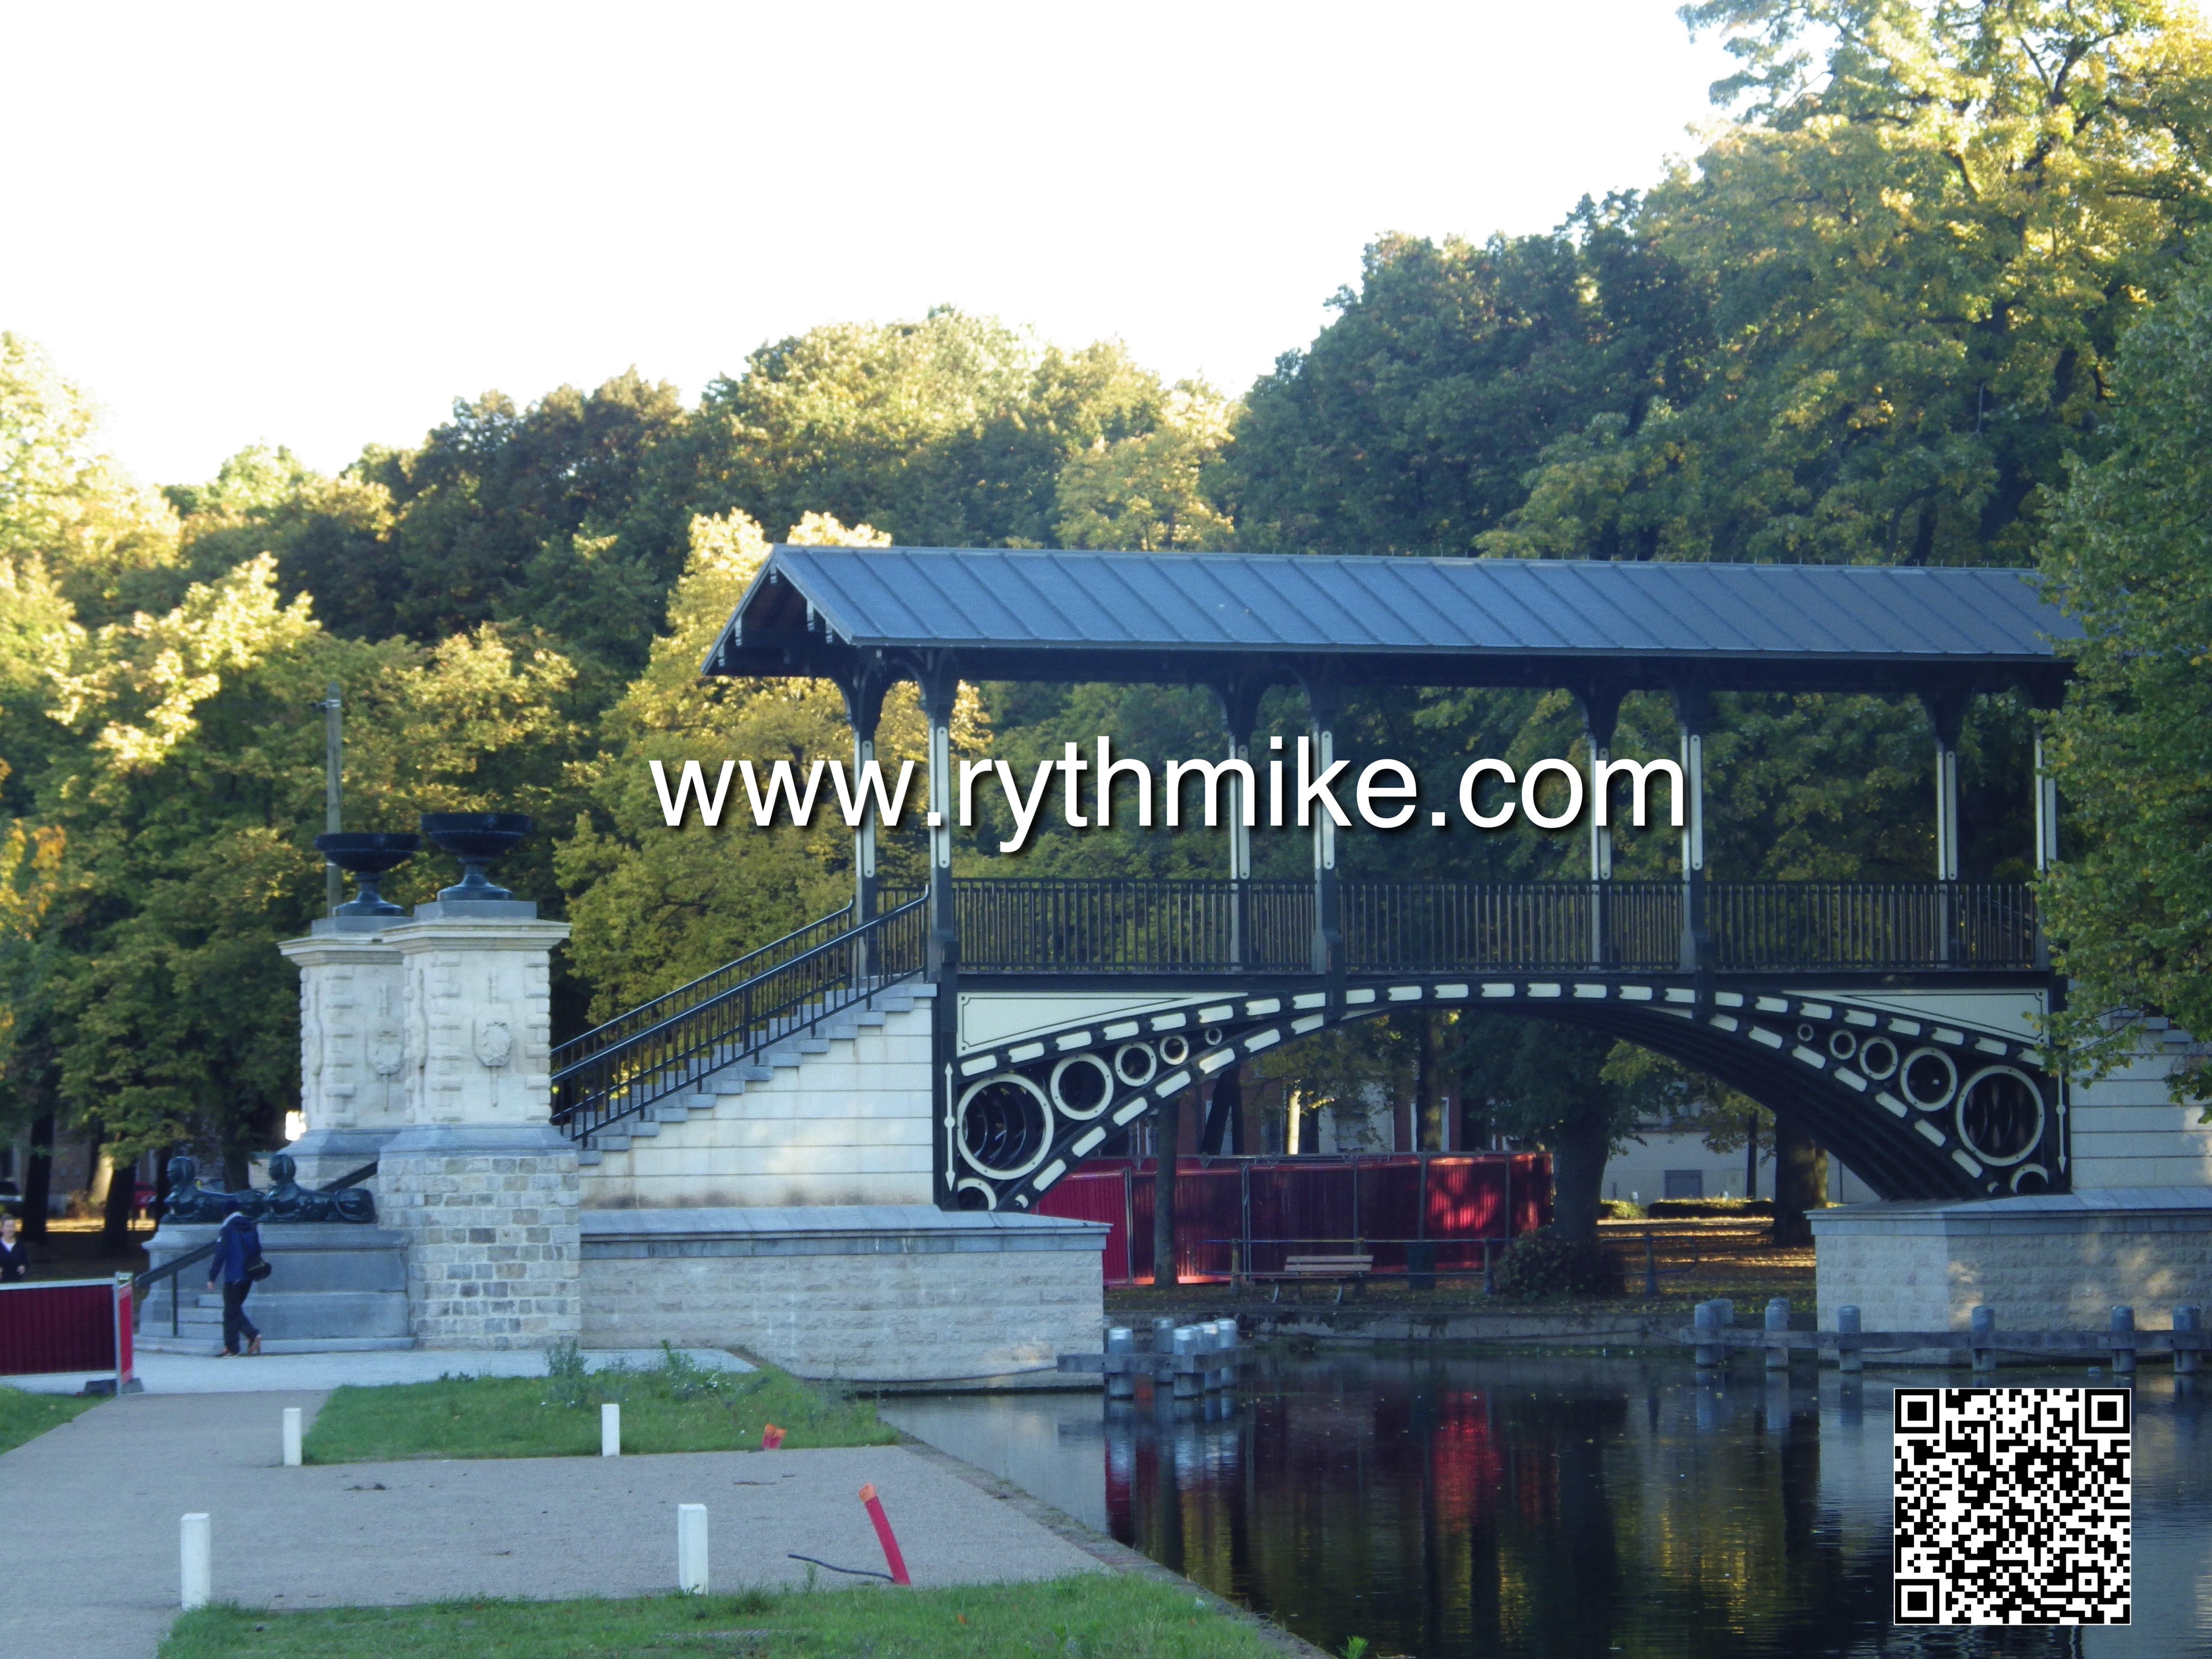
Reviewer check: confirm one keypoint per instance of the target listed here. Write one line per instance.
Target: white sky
(317, 225)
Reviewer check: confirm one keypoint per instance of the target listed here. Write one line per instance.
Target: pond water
(1450, 1506)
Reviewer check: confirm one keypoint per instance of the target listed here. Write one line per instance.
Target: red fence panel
(65, 1325)
(1268, 1208)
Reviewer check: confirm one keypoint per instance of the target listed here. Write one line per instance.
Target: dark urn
(475, 839)
(366, 856)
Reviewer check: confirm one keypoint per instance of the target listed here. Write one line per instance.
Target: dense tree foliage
(1932, 251)
(2130, 556)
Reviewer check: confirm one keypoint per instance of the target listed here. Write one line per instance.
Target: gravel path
(88, 1518)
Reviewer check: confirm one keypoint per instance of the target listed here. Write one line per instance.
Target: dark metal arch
(1794, 1053)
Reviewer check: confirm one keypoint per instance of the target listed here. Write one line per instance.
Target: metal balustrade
(1135, 925)
(1110, 926)
(646, 1064)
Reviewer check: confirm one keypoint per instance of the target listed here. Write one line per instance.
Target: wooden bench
(1340, 1270)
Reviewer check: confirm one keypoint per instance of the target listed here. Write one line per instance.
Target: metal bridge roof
(1182, 617)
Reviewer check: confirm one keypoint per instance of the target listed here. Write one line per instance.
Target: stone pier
(426, 1046)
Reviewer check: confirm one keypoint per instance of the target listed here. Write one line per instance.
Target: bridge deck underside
(1920, 1106)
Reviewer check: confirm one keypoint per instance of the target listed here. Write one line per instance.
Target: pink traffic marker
(771, 1437)
(892, 1559)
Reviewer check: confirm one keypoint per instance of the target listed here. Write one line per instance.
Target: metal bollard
(2123, 1341)
(1849, 1355)
(1164, 1331)
(1219, 1377)
(292, 1458)
(197, 1549)
(1708, 1318)
(610, 1430)
(1985, 1324)
(2189, 1316)
(692, 1549)
(1120, 1339)
(1188, 1385)
(1777, 1319)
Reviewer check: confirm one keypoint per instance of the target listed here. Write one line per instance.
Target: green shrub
(1618, 1209)
(1543, 1263)
(1660, 1208)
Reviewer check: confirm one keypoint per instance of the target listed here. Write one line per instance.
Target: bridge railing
(1120, 925)
(1411, 926)
(703, 989)
(1759, 925)
(1139, 925)
(787, 1000)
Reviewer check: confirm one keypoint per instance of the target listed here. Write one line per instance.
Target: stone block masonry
(490, 1215)
(841, 1118)
(887, 1295)
(2053, 1262)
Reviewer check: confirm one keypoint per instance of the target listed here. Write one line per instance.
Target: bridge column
(1325, 704)
(1600, 706)
(1240, 712)
(864, 709)
(939, 682)
(1947, 712)
(941, 687)
(2046, 812)
(1693, 712)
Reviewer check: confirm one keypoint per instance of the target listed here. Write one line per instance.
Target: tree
(2130, 558)
(66, 508)
(1409, 425)
(952, 431)
(1922, 252)
(655, 905)
(1147, 493)
(1548, 1082)
(190, 801)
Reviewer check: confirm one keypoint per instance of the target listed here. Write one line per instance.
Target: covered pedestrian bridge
(1893, 1021)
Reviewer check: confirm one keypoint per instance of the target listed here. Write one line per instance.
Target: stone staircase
(836, 1113)
(336, 1288)
(199, 1322)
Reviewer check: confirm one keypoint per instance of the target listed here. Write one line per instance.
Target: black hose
(857, 1572)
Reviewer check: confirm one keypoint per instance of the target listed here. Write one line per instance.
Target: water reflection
(1454, 1507)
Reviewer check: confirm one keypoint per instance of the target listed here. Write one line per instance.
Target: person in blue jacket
(238, 1244)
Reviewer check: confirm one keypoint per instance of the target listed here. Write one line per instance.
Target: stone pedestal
(480, 1184)
(489, 1213)
(353, 1045)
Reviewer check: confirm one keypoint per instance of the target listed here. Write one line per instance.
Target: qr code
(2012, 1506)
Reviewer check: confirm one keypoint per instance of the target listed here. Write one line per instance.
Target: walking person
(15, 1257)
(237, 1249)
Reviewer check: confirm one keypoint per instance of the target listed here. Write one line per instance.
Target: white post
(198, 1560)
(610, 1430)
(291, 1437)
(1947, 812)
(692, 1549)
(2046, 812)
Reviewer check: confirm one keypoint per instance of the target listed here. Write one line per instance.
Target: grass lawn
(25, 1416)
(1089, 1616)
(673, 1407)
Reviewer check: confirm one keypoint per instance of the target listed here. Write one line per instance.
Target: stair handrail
(140, 1283)
(681, 1064)
(835, 925)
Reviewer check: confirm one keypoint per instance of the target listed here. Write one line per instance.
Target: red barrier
(66, 1325)
(1262, 1209)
